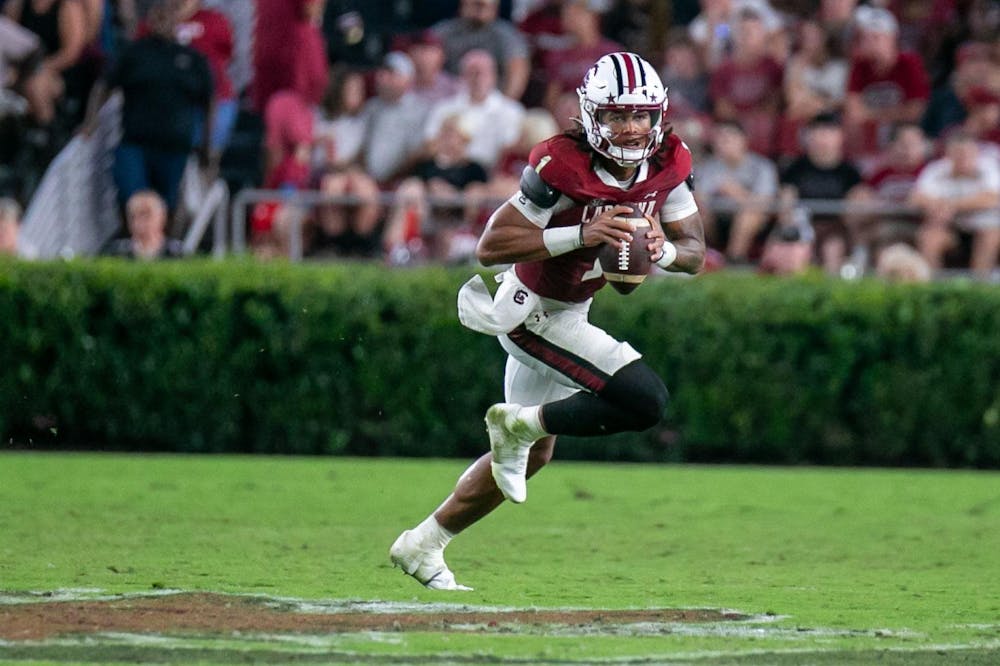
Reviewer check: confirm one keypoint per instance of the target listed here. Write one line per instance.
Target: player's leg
(420, 551)
(476, 493)
(632, 400)
(620, 392)
(615, 391)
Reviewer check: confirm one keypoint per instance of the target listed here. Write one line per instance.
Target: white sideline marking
(327, 642)
(328, 606)
(77, 594)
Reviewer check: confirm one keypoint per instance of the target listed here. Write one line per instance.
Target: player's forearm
(690, 256)
(688, 236)
(510, 245)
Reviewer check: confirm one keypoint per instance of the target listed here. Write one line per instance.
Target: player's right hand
(606, 229)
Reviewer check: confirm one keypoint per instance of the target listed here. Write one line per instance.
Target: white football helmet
(623, 82)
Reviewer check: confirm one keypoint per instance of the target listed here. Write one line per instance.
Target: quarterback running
(565, 376)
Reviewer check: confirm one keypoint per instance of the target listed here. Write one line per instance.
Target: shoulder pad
(537, 190)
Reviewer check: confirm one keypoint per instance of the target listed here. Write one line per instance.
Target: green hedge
(351, 358)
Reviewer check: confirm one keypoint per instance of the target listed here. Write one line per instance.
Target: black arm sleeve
(536, 190)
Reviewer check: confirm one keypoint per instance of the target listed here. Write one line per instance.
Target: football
(625, 268)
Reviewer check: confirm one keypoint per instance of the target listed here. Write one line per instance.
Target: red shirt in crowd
(752, 89)
(310, 70)
(747, 86)
(906, 80)
(274, 46)
(566, 67)
(209, 33)
(894, 184)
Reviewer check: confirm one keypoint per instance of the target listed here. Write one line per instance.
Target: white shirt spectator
(938, 180)
(494, 124)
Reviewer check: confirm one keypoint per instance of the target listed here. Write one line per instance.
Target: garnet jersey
(587, 189)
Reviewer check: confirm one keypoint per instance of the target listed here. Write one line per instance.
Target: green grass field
(831, 566)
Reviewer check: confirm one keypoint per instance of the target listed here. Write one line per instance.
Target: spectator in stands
(976, 66)
(982, 121)
(167, 91)
(288, 46)
(901, 263)
(747, 184)
(24, 77)
(983, 20)
(542, 28)
(437, 231)
(714, 29)
(634, 23)
(289, 111)
(359, 33)
(567, 112)
(339, 125)
(348, 228)
(242, 18)
(959, 194)
(536, 126)
(93, 12)
(288, 141)
(146, 213)
(885, 86)
(822, 173)
(431, 83)
(477, 26)
(563, 68)
(208, 32)
(815, 75)
(790, 245)
(837, 20)
(493, 120)
(747, 85)
(711, 31)
(394, 122)
(62, 27)
(890, 184)
(685, 77)
(10, 225)
(272, 224)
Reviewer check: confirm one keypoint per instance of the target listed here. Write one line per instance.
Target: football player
(565, 376)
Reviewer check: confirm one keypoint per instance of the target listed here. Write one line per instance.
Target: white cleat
(427, 566)
(510, 443)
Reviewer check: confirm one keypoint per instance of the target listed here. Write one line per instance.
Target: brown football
(625, 268)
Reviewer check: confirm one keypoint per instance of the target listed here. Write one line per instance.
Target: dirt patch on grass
(216, 613)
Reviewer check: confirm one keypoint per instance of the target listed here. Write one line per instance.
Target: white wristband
(560, 240)
(668, 256)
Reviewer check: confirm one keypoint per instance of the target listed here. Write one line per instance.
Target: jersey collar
(611, 181)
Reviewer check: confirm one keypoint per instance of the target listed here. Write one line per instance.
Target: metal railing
(212, 209)
(245, 199)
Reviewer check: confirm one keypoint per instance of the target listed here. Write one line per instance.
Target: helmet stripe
(642, 70)
(630, 68)
(618, 75)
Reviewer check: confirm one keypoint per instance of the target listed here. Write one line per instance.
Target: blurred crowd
(825, 132)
